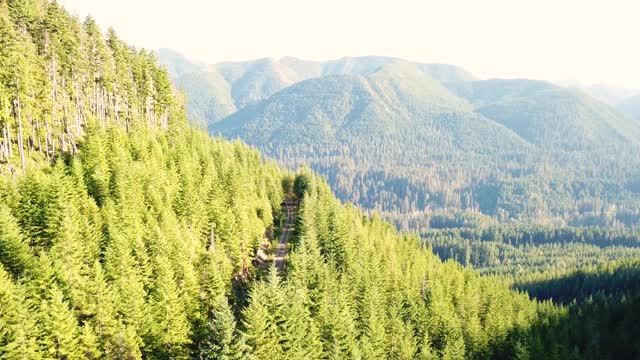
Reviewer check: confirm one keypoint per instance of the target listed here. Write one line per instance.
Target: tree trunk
(5, 151)
(47, 141)
(54, 85)
(9, 140)
(20, 147)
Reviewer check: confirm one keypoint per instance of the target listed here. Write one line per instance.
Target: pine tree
(301, 335)
(125, 345)
(425, 351)
(15, 254)
(263, 319)
(88, 343)
(225, 342)
(101, 308)
(168, 331)
(454, 350)
(337, 326)
(60, 330)
(18, 328)
(402, 344)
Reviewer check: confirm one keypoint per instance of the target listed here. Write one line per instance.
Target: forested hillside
(549, 116)
(520, 251)
(218, 90)
(429, 138)
(127, 234)
(401, 143)
(631, 107)
(58, 76)
(409, 141)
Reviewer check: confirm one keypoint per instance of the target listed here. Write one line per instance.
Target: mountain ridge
(255, 80)
(414, 137)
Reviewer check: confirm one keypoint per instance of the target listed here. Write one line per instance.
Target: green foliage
(15, 254)
(521, 251)
(128, 235)
(301, 184)
(402, 141)
(123, 271)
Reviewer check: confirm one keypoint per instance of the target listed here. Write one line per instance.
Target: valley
(412, 141)
(153, 207)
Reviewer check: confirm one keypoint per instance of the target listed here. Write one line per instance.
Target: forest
(397, 141)
(125, 233)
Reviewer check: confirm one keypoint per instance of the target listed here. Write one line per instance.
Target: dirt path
(280, 256)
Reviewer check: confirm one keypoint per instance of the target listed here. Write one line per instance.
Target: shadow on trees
(599, 316)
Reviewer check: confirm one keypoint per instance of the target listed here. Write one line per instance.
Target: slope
(390, 125)
(137, 241)
(252, 81)
(396, 140)
(550, 116)
(630, 107)
(177, 64)
(209, 96)
(387, 103)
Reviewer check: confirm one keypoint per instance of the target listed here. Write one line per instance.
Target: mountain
(394, 101)
(630, 107)
(611, 95)
(383, 133)
(209, 96)
(176, 63)
(446, 73)
(127, 234)
(252, 81)
(549, 116)
(409, 142)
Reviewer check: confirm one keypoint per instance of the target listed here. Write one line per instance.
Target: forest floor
(280, 256)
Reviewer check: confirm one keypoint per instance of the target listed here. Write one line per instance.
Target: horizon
(348, 207)
(567, 42)
(559, 82)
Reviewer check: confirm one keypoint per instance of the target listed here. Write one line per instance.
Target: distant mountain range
(406, 139)
(234, 85)
(630, 107)
(624, 99)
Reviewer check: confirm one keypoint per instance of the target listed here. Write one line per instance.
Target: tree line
(126, 234)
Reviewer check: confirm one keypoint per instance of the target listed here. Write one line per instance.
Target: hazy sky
(593, 41)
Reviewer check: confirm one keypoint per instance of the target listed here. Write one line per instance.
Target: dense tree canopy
(126, 234)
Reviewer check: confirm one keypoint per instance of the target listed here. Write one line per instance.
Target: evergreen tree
(60, 330)
(18, 331)
(15, 254)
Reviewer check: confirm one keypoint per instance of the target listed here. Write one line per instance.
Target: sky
(589, 41)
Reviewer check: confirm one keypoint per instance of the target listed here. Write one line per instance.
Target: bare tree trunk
(47, 141)
(37, 127)
(31, 142)
(117, 109)
(20, 147)
(9, 139)
(54, 85)
(65, 127)
(3, 154)
(6, 145)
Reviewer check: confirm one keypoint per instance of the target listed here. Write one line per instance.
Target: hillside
(127, 234)
(550, 116)
(250, 82)
(385, 126)
(611, 95)
(177, 64)
(391, 103)
(209, 96)
(406, 143)
(630, 107)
